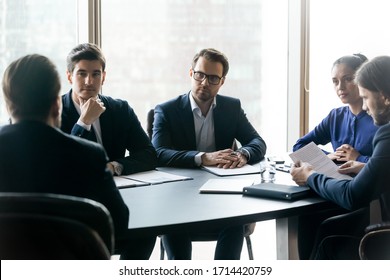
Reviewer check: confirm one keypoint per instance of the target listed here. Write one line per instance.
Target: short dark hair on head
(86, 51)
(30, 86)
(352, 61)
(212, 55)
(374, 75)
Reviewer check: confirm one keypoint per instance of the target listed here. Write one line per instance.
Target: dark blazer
(372, 182)
(121, 131)
(35, 157)
(174, 131)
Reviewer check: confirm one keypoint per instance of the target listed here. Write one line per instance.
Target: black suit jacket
(174, 131)
(121, 131)
(35, 157)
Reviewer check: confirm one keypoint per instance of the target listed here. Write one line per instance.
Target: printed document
(121, 182)
(246, 169)
(153, 177)
(312, 154)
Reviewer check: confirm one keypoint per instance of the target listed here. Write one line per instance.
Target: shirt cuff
(198, 159)
(244, 152)
(83, 125)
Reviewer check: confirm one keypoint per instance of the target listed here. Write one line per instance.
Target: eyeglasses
(212, 79)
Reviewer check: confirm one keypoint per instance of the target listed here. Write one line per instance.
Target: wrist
(244, 152)
(110, 167)
(116, 168)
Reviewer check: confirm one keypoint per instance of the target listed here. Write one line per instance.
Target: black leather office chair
(53, 226)
(375, 244)
(249, 228)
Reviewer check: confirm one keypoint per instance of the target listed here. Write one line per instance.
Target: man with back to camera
(199, 128)
(110, 122)
(35, 156)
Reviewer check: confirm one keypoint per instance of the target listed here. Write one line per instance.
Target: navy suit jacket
(174, 131)
(35, 157)
(121, 131)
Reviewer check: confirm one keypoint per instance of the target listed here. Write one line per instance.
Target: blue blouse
(340, 127)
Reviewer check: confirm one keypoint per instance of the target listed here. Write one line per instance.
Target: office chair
(249, 228)
(53, 226)
(149, 123)
(375, 244)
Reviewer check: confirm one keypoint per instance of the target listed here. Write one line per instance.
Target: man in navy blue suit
(201, 128)
(35, 156)
(110, 122)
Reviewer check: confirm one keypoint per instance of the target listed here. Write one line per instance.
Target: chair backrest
(375, 244)
(149, 123)
(53, 226)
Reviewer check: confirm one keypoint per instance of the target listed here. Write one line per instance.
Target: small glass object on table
(267, 171)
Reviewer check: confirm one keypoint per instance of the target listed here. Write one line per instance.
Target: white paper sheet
(156, 177)
(246, 169)
(312, 154)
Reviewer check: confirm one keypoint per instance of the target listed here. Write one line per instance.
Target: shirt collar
(195, 108)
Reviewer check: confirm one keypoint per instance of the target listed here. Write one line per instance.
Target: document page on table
(156, 177)
(121, 182)
(312, 154)
(246, 169)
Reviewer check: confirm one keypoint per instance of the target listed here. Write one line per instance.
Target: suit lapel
(71, 115)
(187, 120)
(217, 123)
(106, 123)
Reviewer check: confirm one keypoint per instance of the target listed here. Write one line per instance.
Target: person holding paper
(201, 128)
(371, 179)
(349, 128)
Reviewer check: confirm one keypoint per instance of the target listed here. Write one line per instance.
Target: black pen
(233, 146)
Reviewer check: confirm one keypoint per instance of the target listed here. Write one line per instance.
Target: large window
(36, 26)
(339, 28)
(149, 46)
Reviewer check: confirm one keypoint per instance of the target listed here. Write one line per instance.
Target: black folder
(277, 191)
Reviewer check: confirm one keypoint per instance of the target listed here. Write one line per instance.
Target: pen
(234, 145)
(233, 148)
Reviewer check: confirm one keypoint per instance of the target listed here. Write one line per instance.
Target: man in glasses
(201, 128)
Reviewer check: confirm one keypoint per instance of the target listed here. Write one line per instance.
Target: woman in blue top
(349, 128)
(372, 178)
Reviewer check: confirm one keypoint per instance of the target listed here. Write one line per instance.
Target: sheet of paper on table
(246, 169)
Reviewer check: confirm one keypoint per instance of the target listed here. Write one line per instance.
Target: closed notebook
(277, 191)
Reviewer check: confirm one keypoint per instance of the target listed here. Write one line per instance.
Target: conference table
(178, 206)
